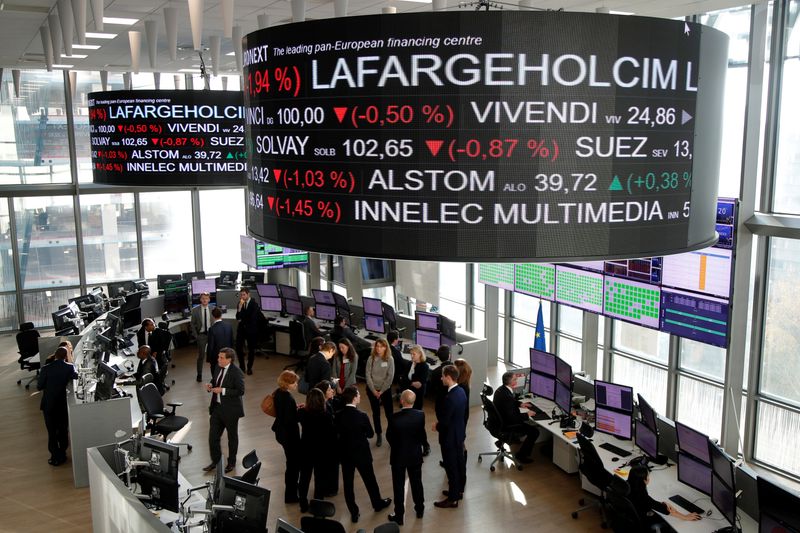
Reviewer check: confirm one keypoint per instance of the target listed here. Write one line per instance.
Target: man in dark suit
(401, 366)
(354, 430)
(436, 389)
(147, 365)
(227, 389)
(144, 333)
(247, 314)
(452, 429)
(406, 435)
(220, 335)
(508, 408)
(201, 321)
(310, 329)
(318, 367)
(53, 380)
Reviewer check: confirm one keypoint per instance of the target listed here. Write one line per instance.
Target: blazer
(220, 335)
(317, 369)
(310, 329)
(53, 380)
(354, 428)
(287, 432)
(248, 316)
(233, 383)
(421, 373)
(437, 389)
(406, 435)
(318, 433)
(349, 369)
(148, 366)
(508, 407)
(451, 425)
(140, 337)
(197, 319)
(401, 366)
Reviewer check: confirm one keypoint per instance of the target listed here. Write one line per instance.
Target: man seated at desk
(310, 329)
(508, 408)
(342, 331)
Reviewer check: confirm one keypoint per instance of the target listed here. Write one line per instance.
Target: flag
(539, 342)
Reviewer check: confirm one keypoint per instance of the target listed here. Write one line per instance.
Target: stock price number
(557, 183)
(256, 201)
(373, 148)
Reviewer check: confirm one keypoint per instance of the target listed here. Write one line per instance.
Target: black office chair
(160, 422)
(319, 521)
(388, 527)
(505, 435)
(297, 346)
(253, 466)
(591, 466)
(620, 512)
(28, 349)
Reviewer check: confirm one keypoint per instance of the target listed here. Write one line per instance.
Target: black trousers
(252, 343)
(367, 476)
(454, 461)
(292, 475)
(314, 463)
(531, 434)
(217, 425)
(57, 425)
(375, 403)
(398, 486)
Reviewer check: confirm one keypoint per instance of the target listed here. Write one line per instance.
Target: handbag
(268, 404)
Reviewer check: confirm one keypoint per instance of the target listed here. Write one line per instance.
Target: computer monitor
(694, 473)
(323, 297)
(563, 397)
(389, 316)
(325, 312)
(721, 464)
(427, 321)
(199, 286)
(228, 277)
(341, 302)
(613, 422)
(543, 362)
(113, 321)
(724, 499)
(106, 376)
(163, 279)
(250, 503)
(189, 276)
(447, 327)
(372, 306)
(118, 288)
(160, 478)
(281, 526)
(614, 396)
(176, 296)
(293, 307)
(519, 381)
(564, 372)
(646, 439)
(289, 292)
(776, 504)
(140, 285)
(543, 386)
(692, 442)
(430, 340)
(132, 301)
(271, 303)
(251, 279)
(268, 289)
(374, 324)
(647, 413)
(64, 319)
(132, 318)
(83, 300)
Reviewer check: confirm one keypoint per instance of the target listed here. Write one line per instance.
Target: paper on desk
(570, 435)
(622, 471)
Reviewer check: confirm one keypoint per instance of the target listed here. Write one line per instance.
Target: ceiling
(21, 43)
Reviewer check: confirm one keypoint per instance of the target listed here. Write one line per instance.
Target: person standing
(143, 334)
(354, 429)
(319, 366)
(401, 366)
(436, 388)
(287, 432)
(318, 434)
(380, 373)
(417, 381)
(464, 379)
(452, 432)
(227, 389)
(220, 335)
(53, 380)
(344, 365)
(247, 313)
(201, 320)
(407, 437)
(508, 409)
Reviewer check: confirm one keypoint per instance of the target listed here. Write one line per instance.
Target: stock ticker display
(485, 136)
(167, 138)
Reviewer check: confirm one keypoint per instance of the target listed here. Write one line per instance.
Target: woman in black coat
(638, 478)
(417, 377)
(287, 432)
(331, 465)
(317, 439)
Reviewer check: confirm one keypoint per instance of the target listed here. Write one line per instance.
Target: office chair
(504, 434)
(297, 346)
(319, 521)
(159, 421)
(620, 511)
(253, 466)
(28, 348)
(591, 466)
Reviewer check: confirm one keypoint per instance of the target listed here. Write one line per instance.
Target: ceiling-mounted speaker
(171, 22)
(135, 39)
(104, 79)
(237, 46)
(151, 34)
(196, 20)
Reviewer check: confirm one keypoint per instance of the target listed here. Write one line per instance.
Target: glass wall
(110, 246)
(167, 238)
(220, 210)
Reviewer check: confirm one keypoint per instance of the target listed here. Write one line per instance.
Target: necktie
(215, 396)
(205, 320)
(341, 374)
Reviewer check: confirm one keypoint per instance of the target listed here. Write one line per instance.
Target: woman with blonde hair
(287, 431)
(380, 373)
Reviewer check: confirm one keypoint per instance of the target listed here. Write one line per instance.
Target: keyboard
(686, 504)
(616, 450)
(174, 316)
(372, 337)
(538, 414)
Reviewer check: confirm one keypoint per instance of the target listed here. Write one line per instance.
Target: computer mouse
(614, 459)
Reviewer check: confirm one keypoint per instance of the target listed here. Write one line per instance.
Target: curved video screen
(167, 138)
(485, 136)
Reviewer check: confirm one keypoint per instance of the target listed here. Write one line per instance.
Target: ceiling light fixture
(187, 70)
(63, 66)
(120, 21)
(74, 56)
(85, 46)
(95, 35)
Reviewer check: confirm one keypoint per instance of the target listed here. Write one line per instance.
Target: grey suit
(225, 411)
(200, 326)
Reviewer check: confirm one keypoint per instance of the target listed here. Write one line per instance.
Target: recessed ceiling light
(231, 54)
(86, 46)
(63, 66)
(74, 56)
(612, 12)
(120, 21)
(94, 35)
(187, 70)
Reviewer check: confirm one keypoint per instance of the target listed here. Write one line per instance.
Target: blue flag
(539, 342)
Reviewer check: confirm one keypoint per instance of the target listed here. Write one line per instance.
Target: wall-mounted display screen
(266, 256)
(631, 301)
(500, 275)
(535, 279)
(689, 315)
(486, 146)
(579, 288)
(167, 138)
